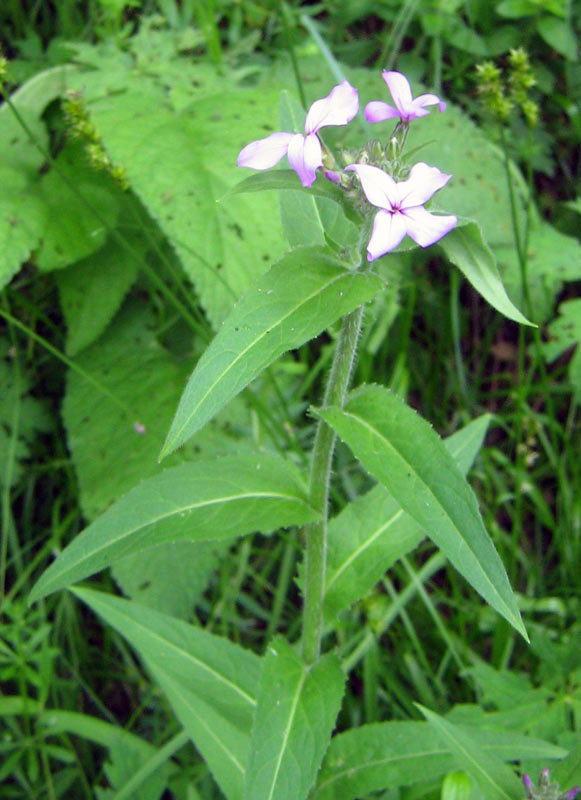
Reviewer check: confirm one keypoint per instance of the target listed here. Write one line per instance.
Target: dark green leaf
(496, 780)
(297, 299)
(393, 754)
(217, 498)
(373, 532)
(402, 451)
(210, 682)
(296, 713)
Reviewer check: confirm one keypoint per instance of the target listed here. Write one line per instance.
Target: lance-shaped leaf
(401, 450)
(393, 754)
(467, 250)
(210, 682)
(374, 531)
(295, 716)
(495, 779)
(297, 299)
(212, 498)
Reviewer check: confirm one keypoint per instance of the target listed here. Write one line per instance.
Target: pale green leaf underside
(214, 498)
(297, 299)
(402, 451)
(393, 754)
(373, 532)
(466, 249)
(296, 713)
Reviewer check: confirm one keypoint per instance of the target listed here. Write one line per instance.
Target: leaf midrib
(287, 731)
(380, 436)
(181, 510)
(364, 546)
(167, 643)
(256, 341)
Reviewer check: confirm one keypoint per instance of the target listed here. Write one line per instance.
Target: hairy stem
(316, 534)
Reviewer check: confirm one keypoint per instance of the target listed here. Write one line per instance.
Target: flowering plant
(264, 723)
(401, 203)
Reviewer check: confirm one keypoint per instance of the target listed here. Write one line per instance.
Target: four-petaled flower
(402, 207)
(304, 152)
(406, 108)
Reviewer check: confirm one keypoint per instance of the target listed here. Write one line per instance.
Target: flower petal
(400, 90)
(425, 228)
(305, 155)
(379, 187)
(388, 231)
(376, 111)
(338, 108)
(265, 153)
(429, 100)
(422, 183)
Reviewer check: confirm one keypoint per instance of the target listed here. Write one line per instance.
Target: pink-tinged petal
(305, 155)
(425, 228)
(400, 90)
(388, 231)
(429, 100)
(338, 108)
(265, 153)
(422, 183)
(377, 111)
(571, 794)
(379, 187)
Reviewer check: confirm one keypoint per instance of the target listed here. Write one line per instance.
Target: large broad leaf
(465, 248)
(402, 451)
(179, 164)
(393, 754)
(297, 299)
(210, 682)
(169, 577)
(373, 532)
(22, 417)
(138, 380)
(72, 231)
(123, 378)
(296, 713)
(22, 213)
(91, 291)
(495, 779)
(565, 332)
(216, 498)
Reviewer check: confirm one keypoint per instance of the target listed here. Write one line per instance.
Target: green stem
(316, 534)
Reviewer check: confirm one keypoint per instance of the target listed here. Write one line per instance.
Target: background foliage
(122, 251)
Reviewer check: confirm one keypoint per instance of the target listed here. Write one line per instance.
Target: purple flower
(528, 784)
(571, 794)
(406, 108)
(304, 152)
(402, 207)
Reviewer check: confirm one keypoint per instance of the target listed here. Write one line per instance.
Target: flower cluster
(546, 790)
(400, 202)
